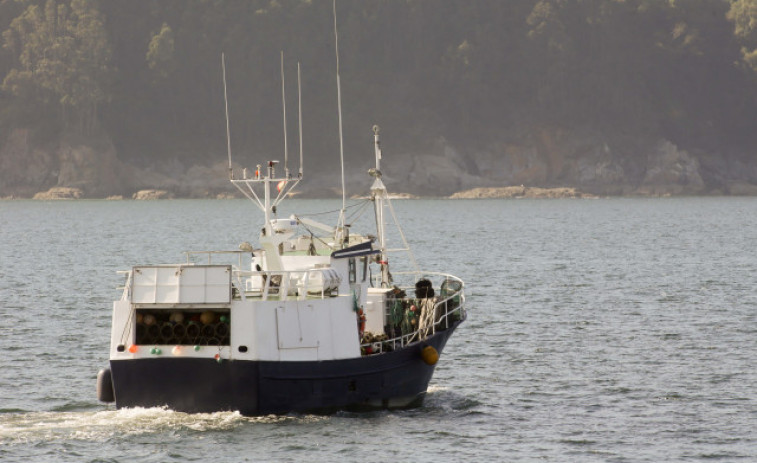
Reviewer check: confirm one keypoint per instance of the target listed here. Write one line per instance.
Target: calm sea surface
(618, 330)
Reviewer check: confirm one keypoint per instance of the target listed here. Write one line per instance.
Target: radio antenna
(299, 108)
(284, 106)
(339, 103)
(226, 103)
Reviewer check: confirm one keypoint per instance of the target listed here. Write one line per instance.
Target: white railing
(318, 283)
(448, 308)
(210, 254)
(126, 296)
(299, 284)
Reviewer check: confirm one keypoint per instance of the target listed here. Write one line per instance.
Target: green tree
(62, 59)
(743, 14)
(160, 53)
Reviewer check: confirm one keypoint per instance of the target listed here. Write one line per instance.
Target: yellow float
(429, 355)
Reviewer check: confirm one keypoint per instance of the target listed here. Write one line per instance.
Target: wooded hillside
(611, 96)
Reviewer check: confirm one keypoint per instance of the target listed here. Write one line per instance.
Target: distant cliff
(591, 164)
(554, 159)
(91, 169)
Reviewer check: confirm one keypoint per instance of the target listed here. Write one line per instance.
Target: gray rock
(59, 193)
(671, 171)
(145, 195)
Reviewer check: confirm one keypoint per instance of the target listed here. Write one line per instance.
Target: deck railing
(280, 285)
(448, 307)
(315, 283)
(272, 284)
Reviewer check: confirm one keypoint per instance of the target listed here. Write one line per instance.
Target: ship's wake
(26, 427)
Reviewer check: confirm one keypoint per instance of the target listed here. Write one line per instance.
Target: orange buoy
(429, 355)
(207, 317)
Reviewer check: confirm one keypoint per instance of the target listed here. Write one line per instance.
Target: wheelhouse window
(353, 270)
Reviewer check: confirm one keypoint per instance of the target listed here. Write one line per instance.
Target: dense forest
(604, 95)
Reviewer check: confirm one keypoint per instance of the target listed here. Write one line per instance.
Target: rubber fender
(429, 355)
(105, 386)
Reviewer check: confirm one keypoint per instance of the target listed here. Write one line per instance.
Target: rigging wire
(356, 214)
(313, 235)
(312, 214)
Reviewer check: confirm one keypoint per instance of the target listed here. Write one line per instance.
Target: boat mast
(267, 197)
(381, 200)
(378, 191)
(247, 185)
(340, 224)
(299, 111)
(226, 103)
(284, 112)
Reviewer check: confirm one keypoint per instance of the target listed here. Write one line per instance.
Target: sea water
(618, 330)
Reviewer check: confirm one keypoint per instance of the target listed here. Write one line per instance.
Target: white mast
(381, 200)
(299, 108)
(226, 103)
(284, 106)
(378, 191)
(340, 225)
(267, 196)
(268, 200)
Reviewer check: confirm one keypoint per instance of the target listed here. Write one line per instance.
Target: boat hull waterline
(200, 385)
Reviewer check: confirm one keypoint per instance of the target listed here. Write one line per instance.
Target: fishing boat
(309, 320)
(314, 318)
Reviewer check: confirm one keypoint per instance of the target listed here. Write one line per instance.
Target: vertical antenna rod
(299, 107)
(226, 103)
(284, 105)
(339, 103)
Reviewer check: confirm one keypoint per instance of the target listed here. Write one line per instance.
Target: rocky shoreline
(507, 192)
(554, 165)
(520, 192)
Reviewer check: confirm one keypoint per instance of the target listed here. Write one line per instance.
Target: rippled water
(616, 330)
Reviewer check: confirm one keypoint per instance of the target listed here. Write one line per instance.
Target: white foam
(99, 425)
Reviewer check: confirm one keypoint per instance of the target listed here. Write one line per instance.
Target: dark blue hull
(391, 380)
